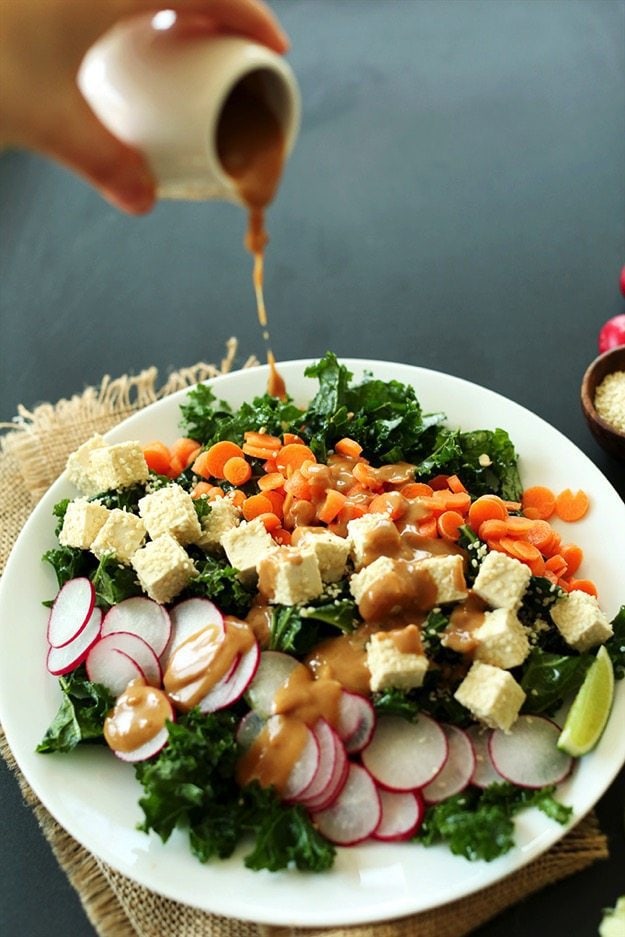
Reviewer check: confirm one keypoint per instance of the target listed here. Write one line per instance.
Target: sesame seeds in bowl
(603, 400)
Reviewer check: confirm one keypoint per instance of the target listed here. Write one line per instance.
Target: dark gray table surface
(456, 200)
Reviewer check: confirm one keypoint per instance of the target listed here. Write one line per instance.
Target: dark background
(456, 200)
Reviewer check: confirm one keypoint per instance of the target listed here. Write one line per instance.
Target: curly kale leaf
(479, 824)
(549, 679)
(615, 646)
(81, 715)
(114, 582)
(217, 580)
(463, 454)
(295, 629)
(208, 420)
(68, 562)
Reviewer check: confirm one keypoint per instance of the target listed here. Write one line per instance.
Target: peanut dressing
(203, 659)
(139, 714)
(306, 699)
(273, 753)
(343, 659)
(464, 620)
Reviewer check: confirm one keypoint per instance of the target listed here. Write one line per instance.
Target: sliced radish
(63, 659)
(404, 755)
(356, 721)
(402, 813)
(189, 617)
(131, 645)
(71, 611)
(232, 687)
(143, 617)
(355, 813)
(113, 668)
(335, 784)
(528, 755)
(484, 772)
(274, 670)
(326, 740)
(457, 770)
(304, 769)
(150, 748)
(250, 727)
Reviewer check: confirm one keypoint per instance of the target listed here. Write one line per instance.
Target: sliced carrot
(366, 476)
(557, 564)
(348, 447)
(237, 470)
(277, 500)
(391, 503)
(519, 526)
(351, 510)
(572, 506)
(200, 465)
(537, 566)
(428, 528)
(269, 466)
(202, 488)
(454, 484)
(438, 483)
(492, 530)
(293, 455)
(215, 491)
(237, 498)
(541, 500)
(158, 457)
(298, 486)
(541, 534)
(563, 583)
(281, 536)
(262, 440)
(486, 508)
(331, 507)
(270, 520)
(185, 449)
(583, 585)
(449, 524)
(416, 490)
(211, 462)
(271, 481)
(512, 506)
(532, 513)
(289, 438)
(255, 505)
(520, 549)
(258, 452)
(573, 556)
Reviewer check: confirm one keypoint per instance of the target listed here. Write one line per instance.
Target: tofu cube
(501, 581)
(391, 667)
(170, 510)
(223, 516)
(289, 576)
(502, 639)
(580, 621)
(447, 574)
(163, 568)
(78, 467)
(82, 522)
(492, 695)
(371, 577)
(331, 551)
(118, 466)
(122, 534)
(372, 536)
(245, 547)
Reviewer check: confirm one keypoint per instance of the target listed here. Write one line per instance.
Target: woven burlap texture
(32, 455)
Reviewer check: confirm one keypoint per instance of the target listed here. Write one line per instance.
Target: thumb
(120, 173)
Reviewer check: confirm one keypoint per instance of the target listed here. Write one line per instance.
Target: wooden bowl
(606, 435)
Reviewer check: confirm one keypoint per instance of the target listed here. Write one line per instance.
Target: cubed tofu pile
(154, 541)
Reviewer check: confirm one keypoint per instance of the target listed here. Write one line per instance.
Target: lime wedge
(591, 707)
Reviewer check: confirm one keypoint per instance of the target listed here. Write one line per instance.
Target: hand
(43, 42)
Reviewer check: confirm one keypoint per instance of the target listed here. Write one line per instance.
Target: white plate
(94, 796)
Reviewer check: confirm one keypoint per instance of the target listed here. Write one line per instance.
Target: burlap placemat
(32, 455)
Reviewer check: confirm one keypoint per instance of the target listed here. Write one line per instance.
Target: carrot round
(270, 520)
(185, 450)
(293, 456)
(492, 530)
(416, 490)
(454, 484)
(583, 585)
(202, 488)
(255, 505)
(348, 447)
(281, 536)
(540, 500)
(158, 457)
(572, 556)
(333, 504)
(237, 470)
(428, 528)
(572, 506)
(486, 508)
(262, 440)
(391, 503)
(541, 534)
(271, 481)
(449, 524)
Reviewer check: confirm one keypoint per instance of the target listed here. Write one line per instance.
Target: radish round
(143, 617)
(304, 769)
(249, 728)
(232, 687)
(356, 721)
(274, 670)
(335, 783)
(402, 813)
(189, 617)
(528, 755)
(355, 813)
(71, 611)
(133, 647)
(457, 770)
(326, 741)
(150, 748)
(63, 659)
(404, 755)
(484, 772)
(112, 668)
